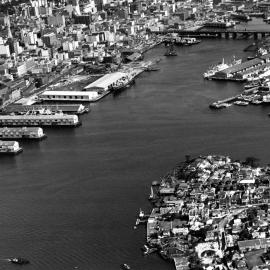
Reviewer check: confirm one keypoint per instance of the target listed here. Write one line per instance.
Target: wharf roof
(240, 67)
(67, 93)
(30, 129)
(255, 68)
(107, 80)
(39, 116)
(7, 143)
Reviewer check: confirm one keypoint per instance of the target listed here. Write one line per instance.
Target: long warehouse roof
(105, 81)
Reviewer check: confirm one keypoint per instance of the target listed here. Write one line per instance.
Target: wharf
(53, 108)
(10, 147)
(63, 120)
(35, 133)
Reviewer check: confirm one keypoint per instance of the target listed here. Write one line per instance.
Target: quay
(53, 108)
(35, 133)
(40, 120)
(10, 147)
(220, 33)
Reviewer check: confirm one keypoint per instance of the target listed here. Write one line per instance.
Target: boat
(141, 214)
(125, 266)
(187, 41)
(217, 105)
(122, 84)
(256, 102)
(241, 103)
(19, 260)
(219, 67)
(171, 51)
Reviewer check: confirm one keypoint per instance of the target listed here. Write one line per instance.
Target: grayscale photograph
(134, 134)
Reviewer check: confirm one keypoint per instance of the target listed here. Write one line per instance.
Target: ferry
(219, 67)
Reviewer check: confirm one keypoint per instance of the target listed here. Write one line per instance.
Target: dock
(35, 133)
(10, 147)
(40, 120)
(53, 108)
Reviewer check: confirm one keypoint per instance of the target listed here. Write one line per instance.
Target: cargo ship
(10, 147)
(35, 133)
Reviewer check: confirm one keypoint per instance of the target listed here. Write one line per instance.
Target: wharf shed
(69, 96)
(106, 82)
(66, 108)
(239, 68)
(21, 133)
(255, 70)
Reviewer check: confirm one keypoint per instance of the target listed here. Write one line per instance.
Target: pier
(22, 133)
(40, 120)
(217, 33)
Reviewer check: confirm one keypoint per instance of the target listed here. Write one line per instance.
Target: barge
(40, 120)
(10, 147)
(35, 133)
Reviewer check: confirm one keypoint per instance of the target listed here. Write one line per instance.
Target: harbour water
(71, 201)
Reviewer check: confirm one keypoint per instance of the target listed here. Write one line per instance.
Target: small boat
(19, 260)
(256, 102)
(171, 51)
(241, 103)
(125, 266)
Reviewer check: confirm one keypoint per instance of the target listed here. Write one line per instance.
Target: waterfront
(72, 200)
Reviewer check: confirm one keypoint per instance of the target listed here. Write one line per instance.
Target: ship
(186, 41)
(122, 83)
(171, 51)
(240, 16)
(221, 66)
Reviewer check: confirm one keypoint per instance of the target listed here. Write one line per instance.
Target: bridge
(220, 33)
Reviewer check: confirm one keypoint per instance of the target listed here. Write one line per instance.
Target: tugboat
(19, 260)
(171, 51)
